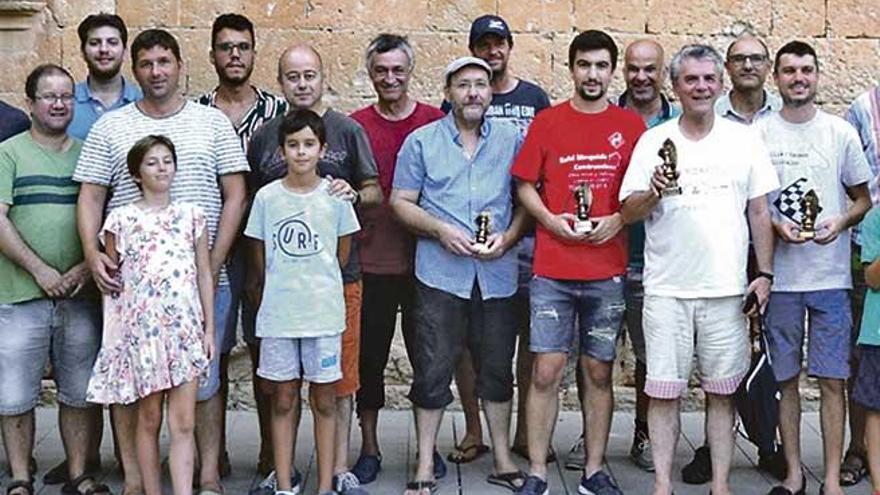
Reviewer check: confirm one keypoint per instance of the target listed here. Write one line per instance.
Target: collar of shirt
(448, 123)
(667, 111)
(724, 108)
(83, 94)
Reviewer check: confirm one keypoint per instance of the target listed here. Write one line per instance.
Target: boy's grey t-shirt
(302, 291)
(824, 155)
(348, 157)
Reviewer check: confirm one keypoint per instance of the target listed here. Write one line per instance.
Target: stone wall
(846, 34)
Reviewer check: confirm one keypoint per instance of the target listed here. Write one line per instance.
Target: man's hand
(208, 342)
(761, 287)
(561, 227)
(100, 266)
(828, 229)
(788, 231)
(52, 283)
(496, 246)
(76, 278)
(456, 241)
(659, 181)
(341, 189)
(605, 228)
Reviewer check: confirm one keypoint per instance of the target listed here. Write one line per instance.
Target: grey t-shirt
(348, 157)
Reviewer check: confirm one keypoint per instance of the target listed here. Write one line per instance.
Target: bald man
(644, 70)
(748, 64)
(349, 161)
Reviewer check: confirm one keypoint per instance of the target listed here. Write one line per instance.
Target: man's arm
(13, 247)
(256, 273)
(830, 228)
(370, 193)
(762, 240)
(234, 191)
(559, 225)
(89, 214)
(343, 250)
(405, 205)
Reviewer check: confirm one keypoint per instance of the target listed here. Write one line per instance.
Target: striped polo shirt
(36, 184)
(207, 147)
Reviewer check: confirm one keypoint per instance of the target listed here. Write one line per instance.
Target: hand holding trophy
(670, 164)
(583, 197)
(809, 211)
(481, 237)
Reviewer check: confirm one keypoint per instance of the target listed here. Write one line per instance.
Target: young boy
(867, 389)
(302, 236)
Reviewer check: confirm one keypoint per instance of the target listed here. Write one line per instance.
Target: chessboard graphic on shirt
(789, 201)
(295, 238)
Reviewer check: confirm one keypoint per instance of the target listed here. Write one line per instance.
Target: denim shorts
(594, 307)
(209, 385)
(867, 389)
(635, 301)
(830, 340)
(67, 331)
(313, 359)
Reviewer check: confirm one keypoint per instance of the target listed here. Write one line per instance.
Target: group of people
(138, 228)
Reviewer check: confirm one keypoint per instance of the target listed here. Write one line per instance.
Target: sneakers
(534, 486)
(348, 483)
(640, 452)
(269, 486)
(577, 455)
(598, 484)
(699, 470)
(367, 468)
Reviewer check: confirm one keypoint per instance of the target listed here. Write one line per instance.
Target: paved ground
(398, 450)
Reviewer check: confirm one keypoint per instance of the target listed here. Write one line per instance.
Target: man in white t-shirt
(695, 257)
(816, 155)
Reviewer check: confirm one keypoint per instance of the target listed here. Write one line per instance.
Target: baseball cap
(487, 24)
(462, 62)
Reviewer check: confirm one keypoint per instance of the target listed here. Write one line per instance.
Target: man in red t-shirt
(578, 148)
(385, 247)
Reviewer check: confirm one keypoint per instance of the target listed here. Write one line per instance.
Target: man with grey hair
(385, 248)
(712, 172)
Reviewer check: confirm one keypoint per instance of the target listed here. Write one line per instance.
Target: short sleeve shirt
(88, 109)
(207, 148)
(302, 292)
(266, 107)
(870, 324)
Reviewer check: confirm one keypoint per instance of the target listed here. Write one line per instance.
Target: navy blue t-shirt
(12, 121)
(518, 107)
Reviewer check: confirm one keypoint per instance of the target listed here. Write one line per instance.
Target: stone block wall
(846, 34)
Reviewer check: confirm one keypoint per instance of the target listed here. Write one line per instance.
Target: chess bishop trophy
(482, 235)
(670, 163)
(583, 197)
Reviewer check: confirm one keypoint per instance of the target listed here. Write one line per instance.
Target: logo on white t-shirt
(295, 238)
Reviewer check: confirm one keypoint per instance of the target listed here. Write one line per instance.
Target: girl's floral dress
(153, 328)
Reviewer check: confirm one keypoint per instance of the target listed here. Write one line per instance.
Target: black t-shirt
(12, 121)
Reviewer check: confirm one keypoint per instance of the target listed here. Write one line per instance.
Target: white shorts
(674, 327)
(313, 359)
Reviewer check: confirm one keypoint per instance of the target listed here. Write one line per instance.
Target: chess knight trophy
(482, 235)
(670, 163)
(809, 211)
(583, 197)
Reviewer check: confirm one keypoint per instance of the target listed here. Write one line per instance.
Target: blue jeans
(209, 385)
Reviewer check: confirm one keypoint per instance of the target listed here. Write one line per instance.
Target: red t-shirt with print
(564, 148)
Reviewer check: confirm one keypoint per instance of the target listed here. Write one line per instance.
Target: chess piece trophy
(583, 197)
(482, 235)
(809, 211)
(670, 163)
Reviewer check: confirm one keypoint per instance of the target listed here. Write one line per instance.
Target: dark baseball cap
(488, 24)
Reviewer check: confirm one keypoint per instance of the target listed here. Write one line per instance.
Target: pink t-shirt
(385, 246)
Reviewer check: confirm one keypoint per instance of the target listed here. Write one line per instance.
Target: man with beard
(102, 41)
(233, 50)
(644, 70)
(464, 267)
(813, 152)
(748, 64)
(581, 144)
(386, 248)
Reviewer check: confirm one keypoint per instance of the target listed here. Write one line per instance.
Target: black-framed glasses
(756, 59)
(51, 98)
(228, 46)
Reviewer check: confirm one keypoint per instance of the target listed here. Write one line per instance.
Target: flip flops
(508, 480)
(464, 455)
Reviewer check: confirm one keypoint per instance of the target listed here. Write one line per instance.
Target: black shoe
(699, 470)
(781, 490)
(774, 465)
(58, 474)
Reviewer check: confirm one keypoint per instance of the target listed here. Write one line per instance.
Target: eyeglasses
(227, 47)
(50, 98)
(756, 59)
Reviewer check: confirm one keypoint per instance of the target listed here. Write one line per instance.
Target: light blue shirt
(864, 115)
(456, 188)
(87, 109)
(772, 103)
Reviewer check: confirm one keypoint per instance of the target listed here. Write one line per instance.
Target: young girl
(159, 329)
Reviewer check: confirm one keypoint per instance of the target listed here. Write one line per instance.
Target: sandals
(464, 455)
(853, 469)
(72, 487)
(508, 480)
(420, 486)
(27, 485)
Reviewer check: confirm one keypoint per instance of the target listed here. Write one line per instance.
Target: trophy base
(583, 226)
(807, 235)
(670, 191)
(481, 248)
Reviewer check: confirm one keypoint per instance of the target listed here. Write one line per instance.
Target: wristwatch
(767, 275)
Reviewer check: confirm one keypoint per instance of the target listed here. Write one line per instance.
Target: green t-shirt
(36, 183)
(869, 332)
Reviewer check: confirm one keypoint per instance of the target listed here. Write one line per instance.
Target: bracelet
(767, 275)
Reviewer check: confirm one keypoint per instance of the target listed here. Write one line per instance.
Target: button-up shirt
(456, 188)
(772, 103)
(864, 115)
(265, 108)
(88, 109)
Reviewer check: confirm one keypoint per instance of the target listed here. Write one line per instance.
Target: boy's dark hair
(40, 71)
(798, 48)
(235, 22)
(103, 19)
(298, 120)
(152, 38)
(590, 40)
(140, 149)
